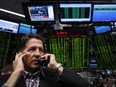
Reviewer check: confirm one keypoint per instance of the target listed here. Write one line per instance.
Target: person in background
(33, 67)
(105, 82)
(114, 83)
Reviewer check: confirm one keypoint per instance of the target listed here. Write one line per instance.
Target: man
(28, 72)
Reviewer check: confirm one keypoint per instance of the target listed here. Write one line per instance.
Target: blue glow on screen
(93, 60)
(34, 31)
(104, 13)
(108, 72)
(26, 29)
(93, 66)
(103, 73)
(102, 29)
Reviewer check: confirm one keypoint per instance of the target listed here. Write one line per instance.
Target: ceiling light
(11, 12)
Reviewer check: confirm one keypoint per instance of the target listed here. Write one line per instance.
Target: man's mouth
(35, 61)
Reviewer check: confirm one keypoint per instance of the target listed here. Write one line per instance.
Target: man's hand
(18, 64)
(52, 63)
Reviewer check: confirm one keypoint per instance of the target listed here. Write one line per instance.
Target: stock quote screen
(104, 13)
(75, 12)
(71, 52)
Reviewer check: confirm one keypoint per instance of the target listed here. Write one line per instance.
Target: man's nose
(37, 52)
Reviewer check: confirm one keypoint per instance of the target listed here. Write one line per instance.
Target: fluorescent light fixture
(11, 12)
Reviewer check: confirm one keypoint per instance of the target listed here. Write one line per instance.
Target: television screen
(8, 26)
(93, 60)
(75, 12)
(104, 13)
(102, 29)
(94, 66)
(103, 72)
(106, 72)
(39, 12)
(26, 29)
(109, 72)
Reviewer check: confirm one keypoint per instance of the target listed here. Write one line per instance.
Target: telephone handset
(43, 62)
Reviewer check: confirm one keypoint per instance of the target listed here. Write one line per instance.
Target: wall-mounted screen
(26, 29)
(75, 12)
(8, 26)
(38, 12)
(93, 63)
(102, 29)
(93, 60)
(93, 66)
(104, 13)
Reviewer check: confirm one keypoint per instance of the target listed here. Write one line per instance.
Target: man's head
(32, 46)
(25, 38)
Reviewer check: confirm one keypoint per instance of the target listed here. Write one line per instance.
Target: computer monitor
(8, 26)
(26, 29)
(39, 12)
(93, 65)
(93, 60)
(102, 29)
(104, 12)
(73, 12)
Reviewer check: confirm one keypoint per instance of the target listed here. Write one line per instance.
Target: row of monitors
(69, 12)
(12, 27)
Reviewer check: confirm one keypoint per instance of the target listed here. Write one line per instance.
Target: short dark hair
(26, 38)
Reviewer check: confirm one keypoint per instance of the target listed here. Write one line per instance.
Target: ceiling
(15, 6)
(12, 5)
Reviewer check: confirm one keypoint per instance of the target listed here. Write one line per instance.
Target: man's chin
(35, 66)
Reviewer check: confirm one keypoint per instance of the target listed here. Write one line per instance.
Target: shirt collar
(39, 73)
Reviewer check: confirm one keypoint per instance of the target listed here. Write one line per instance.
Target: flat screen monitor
(102, 29)
(104, 13)
(103, 72)
(93, 60)
(26, 29)
(106, 73)
(75, 12)
(39, 12)
(8, 26)
(109, 72)
(93, 66)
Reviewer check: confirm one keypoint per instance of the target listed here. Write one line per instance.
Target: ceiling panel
(12, 5)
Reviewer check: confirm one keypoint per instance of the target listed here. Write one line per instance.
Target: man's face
(34, 50)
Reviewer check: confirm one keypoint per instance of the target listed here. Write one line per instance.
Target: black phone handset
(43, 62)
